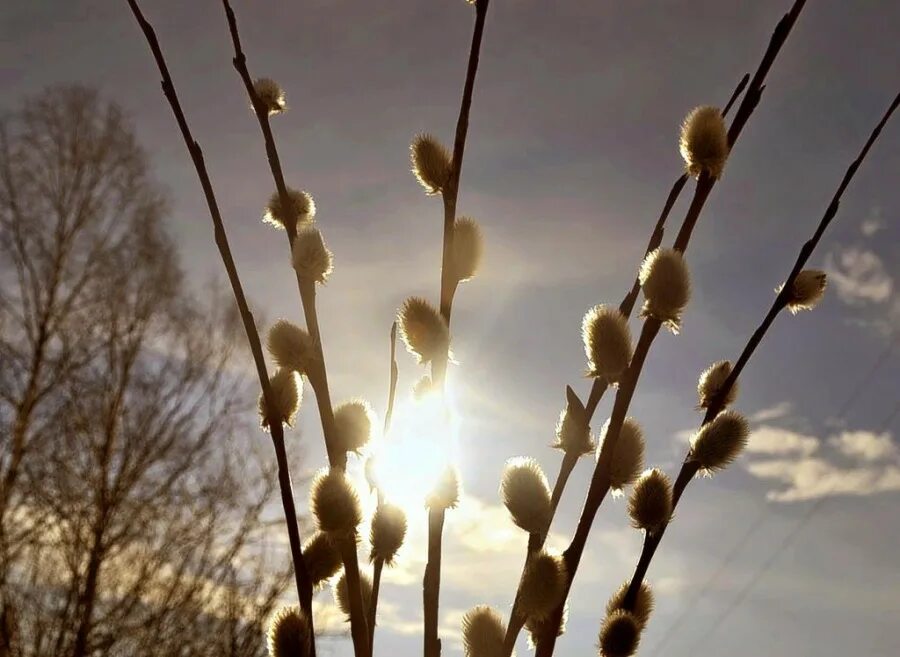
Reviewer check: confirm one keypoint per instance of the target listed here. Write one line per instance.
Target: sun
(421, 443)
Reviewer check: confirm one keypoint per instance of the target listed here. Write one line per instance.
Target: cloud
(775, 441)
(865, 445)
(775, 412)
(873, 223)
(811, 478)
(859, 276)
(855, 462)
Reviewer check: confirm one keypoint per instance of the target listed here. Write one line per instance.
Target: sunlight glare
(422, 442)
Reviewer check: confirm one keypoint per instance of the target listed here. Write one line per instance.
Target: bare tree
(132, 509)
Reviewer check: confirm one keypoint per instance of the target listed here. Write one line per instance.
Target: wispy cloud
(859, 276)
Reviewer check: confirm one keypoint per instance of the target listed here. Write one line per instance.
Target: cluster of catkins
(334, 500)
(524, 488)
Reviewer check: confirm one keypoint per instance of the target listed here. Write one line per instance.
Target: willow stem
(301, 575)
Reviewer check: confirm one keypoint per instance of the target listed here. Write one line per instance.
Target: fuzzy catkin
(431, 163)
(342, 593)
(704, 141)
(711, 381)
(807, 290)
(483, 632)
(650, 504)
(543, 585)
(312, 260)
(423, 330)
(540, 627)
(627, 460)
(353, 423)
(607, 342)
(619, 635)
(271, 95)
(335, 504)
(322, 558)
(290, 346)
(467, 249)
(526, 494)
(573, 434)
(387, 532)
(288, 634)
(666, 284)
(720, 441)
(301, 209)
(643, 604)
(286, 397)
(445, 494)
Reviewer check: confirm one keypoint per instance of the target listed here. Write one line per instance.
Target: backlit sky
(571, 152)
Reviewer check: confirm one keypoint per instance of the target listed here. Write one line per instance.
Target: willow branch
(689, 468)
(627, 306)
(705, 183)
(317, 374)
(451, 191)
(377, 567)
(599, 386)
(431, 582)
(301, 575)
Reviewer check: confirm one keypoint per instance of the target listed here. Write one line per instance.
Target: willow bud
(342, 593)
(301, 209)
(445, 494)
(541, 627)
(526, 494)
(321, 557)
(271, 95)
(650, 505)
(335, 503)
(643, 604)
(807, 290)
(543, 585)
(431, 163)
(353, 422)
(286, 396)
(720, 441)
(387, 533)
(289, 634)
(704, 141)
(483, 632)
(573, 435)
(467, 249)
(619, 635)
(423, 330)
(711, 381)
(607, 342)
(312, 260)
(290, 346)
(628, 457)
(666, 283)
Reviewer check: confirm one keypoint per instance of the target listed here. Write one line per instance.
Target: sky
(572, 149)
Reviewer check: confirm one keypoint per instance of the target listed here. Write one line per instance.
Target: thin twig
(301, 575)
(317, 374)
(431, 583)
(705, 183)
(689, 468)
